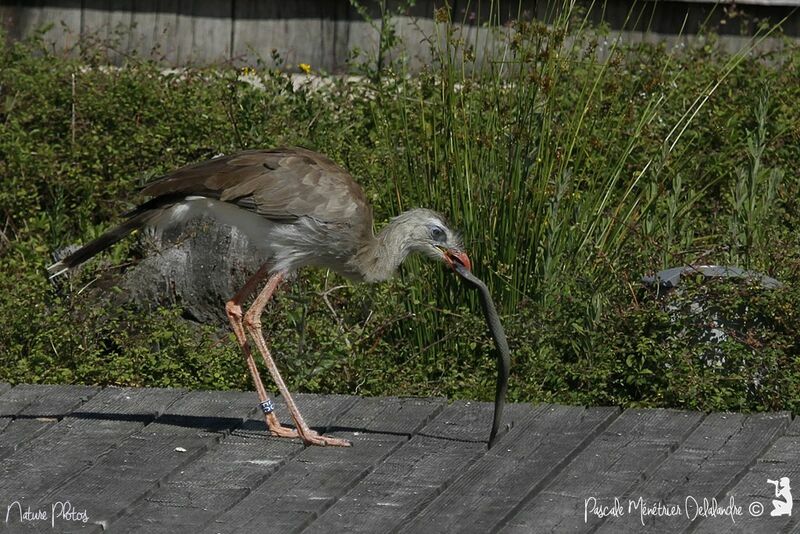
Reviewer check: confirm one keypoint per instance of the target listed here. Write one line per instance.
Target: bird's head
(426, 232)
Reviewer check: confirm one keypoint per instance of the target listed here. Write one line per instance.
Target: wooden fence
(324, 33)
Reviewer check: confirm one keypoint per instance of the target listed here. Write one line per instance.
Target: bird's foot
(311, 437)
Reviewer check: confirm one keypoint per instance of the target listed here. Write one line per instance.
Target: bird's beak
(453, 257)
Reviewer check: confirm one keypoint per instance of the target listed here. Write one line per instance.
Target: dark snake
(500, 343)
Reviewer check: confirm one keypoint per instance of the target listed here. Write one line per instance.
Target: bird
(299, 209)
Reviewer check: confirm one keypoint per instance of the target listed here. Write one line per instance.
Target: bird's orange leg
(233, 308)
(252, 321)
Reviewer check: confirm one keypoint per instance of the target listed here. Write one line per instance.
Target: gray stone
(198, 269)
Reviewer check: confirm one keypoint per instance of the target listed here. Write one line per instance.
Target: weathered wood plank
(95, 17)
(145, 39)
(300, 32)
(513, 470)
(704, 467)
(781, 460)
(416, 472)
(212, 27)
(322, 33)
(183, 432)
(218, 474)
(630, 449)
(259, 28)
(39, 400)
(404, 416)
(9, 22)
(312, 481)
(169, 21)
(36, 408)
(18, 432)
(64, 18)
(115, 453)
(794, 428)
(365, 37)
(305, 41)
(119, 20)
(138, 404)
(185, 31)
(471, 421)
(73, 444)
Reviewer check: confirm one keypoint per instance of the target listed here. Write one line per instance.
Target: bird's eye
(437, 234)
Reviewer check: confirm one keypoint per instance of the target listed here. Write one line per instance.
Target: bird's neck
(381, 255)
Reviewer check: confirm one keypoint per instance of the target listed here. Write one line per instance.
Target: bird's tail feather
(98, 245)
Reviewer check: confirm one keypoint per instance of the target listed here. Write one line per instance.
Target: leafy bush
(571, 174)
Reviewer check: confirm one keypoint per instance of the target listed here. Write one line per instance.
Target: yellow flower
(248, 71)
(305, 67)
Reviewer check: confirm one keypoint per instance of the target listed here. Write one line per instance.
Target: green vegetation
(570, 177)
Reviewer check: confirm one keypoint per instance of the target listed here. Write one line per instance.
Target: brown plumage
(300, 209)
(281, 184)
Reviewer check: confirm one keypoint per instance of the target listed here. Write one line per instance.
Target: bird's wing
(279, 184)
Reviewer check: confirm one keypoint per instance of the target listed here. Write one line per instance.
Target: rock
(198, 269)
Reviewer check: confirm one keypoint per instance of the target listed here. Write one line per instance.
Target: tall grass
(521, 133)
(753, 193)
